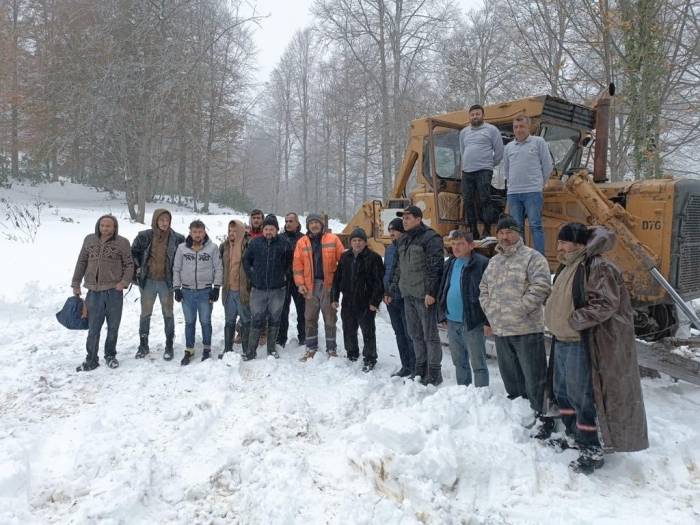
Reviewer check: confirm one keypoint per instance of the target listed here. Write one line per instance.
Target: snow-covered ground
(280, 441)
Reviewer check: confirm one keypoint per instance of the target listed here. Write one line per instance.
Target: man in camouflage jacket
(513, 290)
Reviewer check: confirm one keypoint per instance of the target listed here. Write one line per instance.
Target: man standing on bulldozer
(482, 149)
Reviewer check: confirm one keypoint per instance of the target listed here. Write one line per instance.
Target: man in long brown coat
(594, 361)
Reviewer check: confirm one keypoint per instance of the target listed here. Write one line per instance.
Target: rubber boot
(245, 338)
(253, 341)
(143, 349)
(228, 339)
(272, 341)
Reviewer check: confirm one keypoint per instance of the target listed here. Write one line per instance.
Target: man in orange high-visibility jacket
(316, 258)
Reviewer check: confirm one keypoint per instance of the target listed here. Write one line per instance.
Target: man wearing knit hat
(359, 279)
(266, 262)
(316, 258)
(593, 358)
(513, 290)
(395, 306)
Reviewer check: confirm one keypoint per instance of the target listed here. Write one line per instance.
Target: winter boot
(402, 372)
(544, 431)
(308, 355)
(253, 342)
(332, 352)
(432, 377)
(228, 340)
(560, 444)
(272, 341)
(87, 366)
(206, 354)
(245, 341)
(112, 361)
(589, 459)
(168, 354)
(368, 366)
(189, 353)
(143, 349)
(419, 371)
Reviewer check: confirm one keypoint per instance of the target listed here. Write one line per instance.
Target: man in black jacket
(459, 304)
(153, 252)
(292, 233)
(266, 263)
(359, 279)
(417, 275)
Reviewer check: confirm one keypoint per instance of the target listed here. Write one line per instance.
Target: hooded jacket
(266, 262)
(513, 290)
(303, 266)
(141, 250)
(421, 256)
(604, 317)
(359, 279)
(197, 269)
(225, 253)
(104, 265)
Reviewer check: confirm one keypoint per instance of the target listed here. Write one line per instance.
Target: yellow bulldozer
(657, 221)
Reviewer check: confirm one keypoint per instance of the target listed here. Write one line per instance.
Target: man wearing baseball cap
(417, 275)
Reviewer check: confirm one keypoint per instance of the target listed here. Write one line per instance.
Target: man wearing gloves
(359, 279)
(197, 277)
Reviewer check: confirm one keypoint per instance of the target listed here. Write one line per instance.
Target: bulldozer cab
(431, 171)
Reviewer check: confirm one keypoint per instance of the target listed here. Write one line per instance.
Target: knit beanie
(506, 222)
(574, 232)
(396, 224)
(358, 233)
(271, 220)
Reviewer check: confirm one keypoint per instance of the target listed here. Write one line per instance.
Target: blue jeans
(573, 389)
(197, 302)
(149, 293)
(468, 347)
(398, 323)
(101, 306)
(233, 309)
(521, 205)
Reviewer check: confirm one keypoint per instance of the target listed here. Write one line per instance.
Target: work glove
(214, 294)
(178, 295)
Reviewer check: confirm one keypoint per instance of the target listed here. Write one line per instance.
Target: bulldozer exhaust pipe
(602, 127)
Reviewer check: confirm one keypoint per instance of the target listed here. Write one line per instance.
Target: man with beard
(482, 149)
(513, 290)
(593, 358)
(256, 224)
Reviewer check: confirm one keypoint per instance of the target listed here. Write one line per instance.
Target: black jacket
(359, 279)
(141, 251)
(418, 268)
(471, 278)
(266, 263)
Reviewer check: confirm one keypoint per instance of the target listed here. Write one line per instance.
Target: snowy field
(280, 441)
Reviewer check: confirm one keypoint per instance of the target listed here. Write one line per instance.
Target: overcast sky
(286, 16)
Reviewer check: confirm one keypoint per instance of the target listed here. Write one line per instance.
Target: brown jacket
(224, 249)
(104, 264)
(604, 317)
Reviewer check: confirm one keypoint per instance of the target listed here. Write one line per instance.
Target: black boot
(228, 339)
(433, 377)
(544, 431)
(168, 354)
(272, 341)
(143, 349)
(87, 366)
(368, 366)
(188, 355)
(420, 370)
(253, 337)
(206, 354)
(589, 459)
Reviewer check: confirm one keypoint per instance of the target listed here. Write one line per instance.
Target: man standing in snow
(292, 233)
(512, 293)
(106, 265)
(482, 149)
(359, 280)
(395, 305)
(266, 262)
(256, 223)
(316, 258)
(417, 275)
(197, 277)
(459, 304)
(595, 370)
(235, 293)
(527, 165)
(153, 252)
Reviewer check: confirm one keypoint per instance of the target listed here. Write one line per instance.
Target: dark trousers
(423, 330)
(149, 293)
(101, 306)
(362, 318)
(573, 390)
(266, 305)
(292, 294)
(522, 362)
(476, 197)
(397, 315)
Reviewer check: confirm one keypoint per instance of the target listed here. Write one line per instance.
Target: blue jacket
(267, 263)
(390, 260)
(471, 278)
